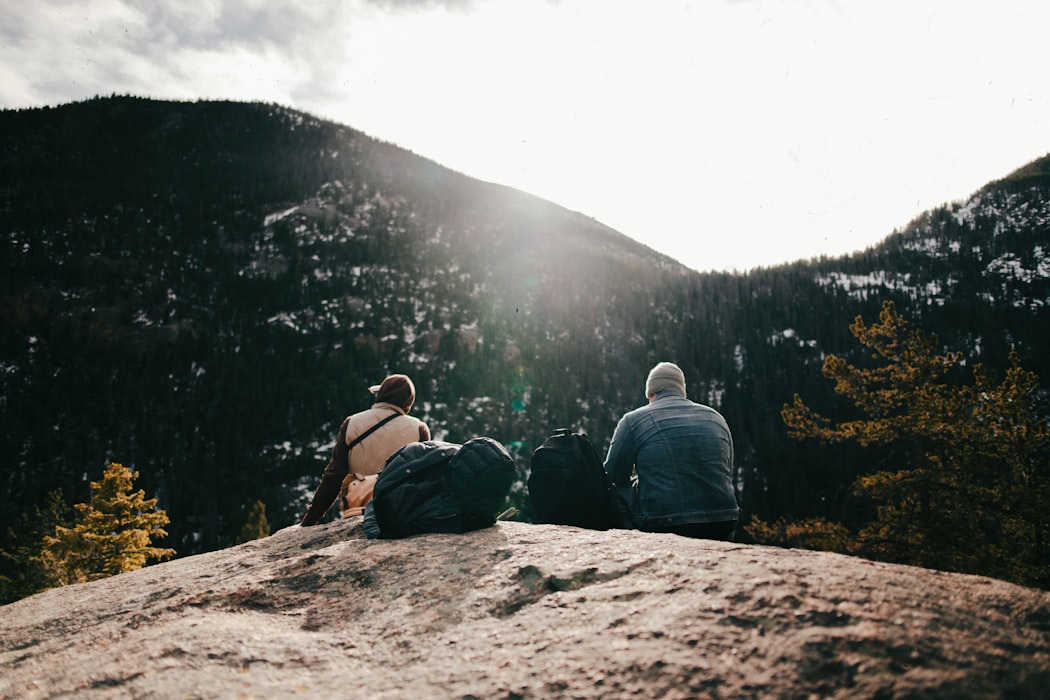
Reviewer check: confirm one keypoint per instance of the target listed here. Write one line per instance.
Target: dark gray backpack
(439, 486)
(568, 485)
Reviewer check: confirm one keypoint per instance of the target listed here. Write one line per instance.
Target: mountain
(526, 611)
(201, 291)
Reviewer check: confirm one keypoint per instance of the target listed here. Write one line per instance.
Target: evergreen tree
(257, 526)
(964, 480)
(22, 570)
(113, 533)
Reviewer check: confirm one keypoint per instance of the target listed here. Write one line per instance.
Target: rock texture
(526, 611)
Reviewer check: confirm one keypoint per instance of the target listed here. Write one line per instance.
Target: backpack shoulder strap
(374, 428)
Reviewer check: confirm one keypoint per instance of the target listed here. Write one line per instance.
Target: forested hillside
(201, 291)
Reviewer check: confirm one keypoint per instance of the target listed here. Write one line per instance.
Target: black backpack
(439, 486)
(569, 486)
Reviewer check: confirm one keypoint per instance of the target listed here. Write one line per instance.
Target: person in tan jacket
(393, 400)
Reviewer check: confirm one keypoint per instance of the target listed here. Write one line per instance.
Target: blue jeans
(701, 531)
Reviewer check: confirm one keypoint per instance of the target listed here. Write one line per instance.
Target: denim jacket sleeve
(623, 450)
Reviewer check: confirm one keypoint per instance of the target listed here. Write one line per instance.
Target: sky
(728, 134)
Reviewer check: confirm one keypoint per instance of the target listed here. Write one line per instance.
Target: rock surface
(526, 611)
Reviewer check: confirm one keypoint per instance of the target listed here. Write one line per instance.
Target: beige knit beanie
(664, 376)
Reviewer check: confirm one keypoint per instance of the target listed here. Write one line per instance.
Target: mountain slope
(974, 271)
(203, 290)
(995, 246)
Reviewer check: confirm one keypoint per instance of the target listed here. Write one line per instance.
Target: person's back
(368, 457)
(365, 441)
(682, 453)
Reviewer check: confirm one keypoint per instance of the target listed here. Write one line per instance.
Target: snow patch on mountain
(874, 285)
(1011, 266)
(1011, 211)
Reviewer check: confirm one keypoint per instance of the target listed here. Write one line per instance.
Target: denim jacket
(683, 455)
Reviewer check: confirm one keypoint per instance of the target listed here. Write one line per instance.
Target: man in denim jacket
(682, 454)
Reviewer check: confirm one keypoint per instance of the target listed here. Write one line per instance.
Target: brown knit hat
(397, 389)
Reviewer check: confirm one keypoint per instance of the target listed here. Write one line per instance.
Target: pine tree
(113, 533)
(22, 570)
(964, 480)
(257, 526)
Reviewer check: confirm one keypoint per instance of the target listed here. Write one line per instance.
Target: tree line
(955, 475)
